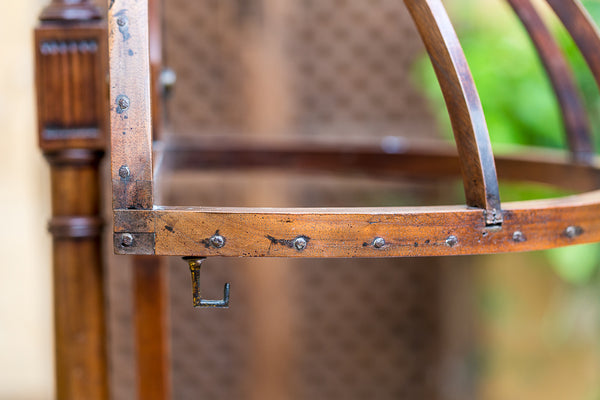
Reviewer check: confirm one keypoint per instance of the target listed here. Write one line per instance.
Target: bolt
(452, 241)
(218, 241)
(122, 20)
(573, 231)
(127, 240)
(123, 103)
(379, 242)
(124, 172)
(300, 243)
(518, 237)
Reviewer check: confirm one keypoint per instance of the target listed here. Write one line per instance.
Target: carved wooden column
(71, 72)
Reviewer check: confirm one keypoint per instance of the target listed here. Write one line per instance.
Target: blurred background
(520, 326)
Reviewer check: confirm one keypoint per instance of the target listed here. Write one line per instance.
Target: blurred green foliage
(518, 99)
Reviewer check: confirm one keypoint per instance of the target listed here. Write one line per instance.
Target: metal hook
(195, 263)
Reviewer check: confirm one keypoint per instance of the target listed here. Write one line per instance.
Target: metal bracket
(195, 263)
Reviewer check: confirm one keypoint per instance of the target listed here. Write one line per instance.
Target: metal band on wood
(464, 106)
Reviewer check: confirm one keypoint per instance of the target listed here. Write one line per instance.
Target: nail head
(124, 172)
(123, 102)
(452, 241)
(300, 243)
(573, 231)
(127, 240)
(218, 241)
(378, 242)
(518, 237)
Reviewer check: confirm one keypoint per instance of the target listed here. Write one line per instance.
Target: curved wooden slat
(576, 123)
(464, 106)
(413, 160)
(358, 232)
(582, 28)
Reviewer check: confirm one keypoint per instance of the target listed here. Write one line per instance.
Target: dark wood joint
(132, 194)
(134, 243)
(141, 221)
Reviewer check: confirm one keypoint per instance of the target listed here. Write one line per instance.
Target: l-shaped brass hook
(195, 263)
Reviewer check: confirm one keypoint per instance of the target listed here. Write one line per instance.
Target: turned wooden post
(70, 49)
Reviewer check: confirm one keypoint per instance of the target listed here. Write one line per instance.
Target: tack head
(379, 242)
(300, 243)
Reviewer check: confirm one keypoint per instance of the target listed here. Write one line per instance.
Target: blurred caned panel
(300, 329)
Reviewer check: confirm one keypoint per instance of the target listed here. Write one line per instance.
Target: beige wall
(26, 358)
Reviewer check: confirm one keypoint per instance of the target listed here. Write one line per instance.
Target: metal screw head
(218, 241)
(124, 172)
(123, 102)
(379, 242)
(300, 243)
(452, 241)
(518, 237)
(127, 240)
(573, 231)
(122, 20)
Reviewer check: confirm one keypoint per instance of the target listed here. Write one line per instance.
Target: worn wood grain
(583, 30)
(339, 232)
(464, 107)
(575, 120)
(410, 159)
(130, 97)
(70, 51)
(151, 328)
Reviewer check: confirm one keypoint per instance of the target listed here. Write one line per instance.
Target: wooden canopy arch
(481, 226)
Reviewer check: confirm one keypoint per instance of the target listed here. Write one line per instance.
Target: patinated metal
(195, 264)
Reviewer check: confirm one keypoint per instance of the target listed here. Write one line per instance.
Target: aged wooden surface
(464, 106)
(478, 228)
(150, 288)
(80, 338)
(575, 120)
(130, 97)
(151, 328)
(71, 10)
(70, 79)
(409, 159)
(583, 30)
(412, 232)
(70, 49)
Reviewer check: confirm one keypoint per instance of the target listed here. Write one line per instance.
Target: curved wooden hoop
(462, 100)
(575, 120)
(414, 160)
(582, 29)
(338, 232)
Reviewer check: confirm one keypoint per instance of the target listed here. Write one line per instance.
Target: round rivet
(573, 231)
(122, 20)
(124, 172)
(300, 243)
(452, 241)
(123, 102)
(127, 240)
(379, 242)
(518, 237)
(218, 241)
